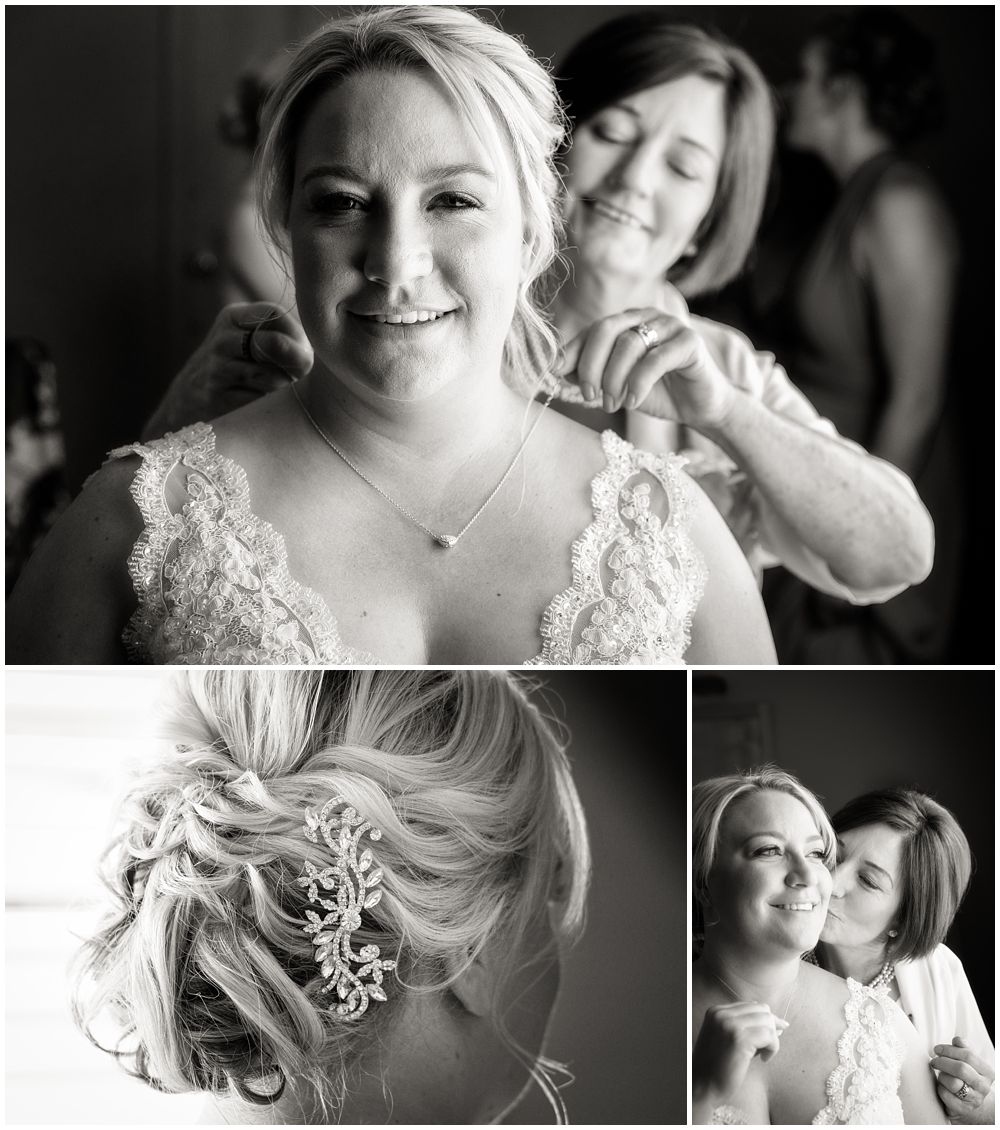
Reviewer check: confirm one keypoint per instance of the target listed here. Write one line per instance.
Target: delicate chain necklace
(448, 541)
(736, 996)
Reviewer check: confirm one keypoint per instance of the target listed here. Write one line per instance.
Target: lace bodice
(213, 584)
(863, 1089)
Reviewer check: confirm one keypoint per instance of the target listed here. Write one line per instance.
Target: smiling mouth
(795, 905)
(404, 318)
(617, 215)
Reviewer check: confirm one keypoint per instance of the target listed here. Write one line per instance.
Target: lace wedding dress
(863, 1089)
(213, 583)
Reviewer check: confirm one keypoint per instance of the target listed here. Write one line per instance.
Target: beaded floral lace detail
(728, 1116)
(213, 583)
(212, 579)
(637, 579)
(863, 1089)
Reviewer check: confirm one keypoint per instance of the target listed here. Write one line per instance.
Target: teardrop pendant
(447, 540)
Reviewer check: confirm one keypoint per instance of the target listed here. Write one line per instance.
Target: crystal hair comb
(354, 886)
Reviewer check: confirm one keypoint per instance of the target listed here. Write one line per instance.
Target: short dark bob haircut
(935, 865)
(643, 49)
(894, 63)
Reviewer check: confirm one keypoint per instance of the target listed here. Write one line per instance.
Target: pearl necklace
(882, 979)
(446, 541)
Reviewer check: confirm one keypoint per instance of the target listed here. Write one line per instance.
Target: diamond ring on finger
(647, 335)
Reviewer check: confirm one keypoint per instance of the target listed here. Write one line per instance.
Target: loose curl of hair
(894, 63)
(643, 49)
(935, 863)
(711, 800)
(202, 962)
(507, 96)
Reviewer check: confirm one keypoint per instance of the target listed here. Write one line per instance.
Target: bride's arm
(74, 596)
(729, 625)
(919, 1099)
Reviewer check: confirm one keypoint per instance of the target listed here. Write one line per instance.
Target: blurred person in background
(252, 270)
(864, 321)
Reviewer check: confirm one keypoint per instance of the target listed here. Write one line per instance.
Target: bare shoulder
(75, 594)
(822, 999)
(572, 449)
(905, 211)
(813, 979)
(264, 428)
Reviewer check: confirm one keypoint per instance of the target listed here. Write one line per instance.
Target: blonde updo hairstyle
(509, 99)
(712, 799)
(203, 964)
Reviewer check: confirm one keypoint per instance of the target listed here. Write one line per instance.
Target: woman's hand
(731, 1035)
(251, 349)
(674, 379)
(959, 1067)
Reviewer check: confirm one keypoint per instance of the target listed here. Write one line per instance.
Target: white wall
(70, 738)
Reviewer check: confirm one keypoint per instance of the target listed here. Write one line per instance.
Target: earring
(893, 933)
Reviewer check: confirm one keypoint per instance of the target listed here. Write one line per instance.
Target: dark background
(117, 182)
(844, 733)
(621, 1019)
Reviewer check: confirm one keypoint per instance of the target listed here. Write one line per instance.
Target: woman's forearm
(848, 508)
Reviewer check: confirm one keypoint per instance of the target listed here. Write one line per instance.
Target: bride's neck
(861, 963)
(446, 428)
(420, 1072)
(750, 974)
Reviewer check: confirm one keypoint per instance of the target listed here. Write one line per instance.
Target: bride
(777, 1040)
(343, 897)
(407, 502)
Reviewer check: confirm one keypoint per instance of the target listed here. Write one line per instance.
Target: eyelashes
(772, 851)
(344, 203)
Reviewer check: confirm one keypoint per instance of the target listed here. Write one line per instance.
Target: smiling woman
(778, 1040)
(373, 513)
(441, 284)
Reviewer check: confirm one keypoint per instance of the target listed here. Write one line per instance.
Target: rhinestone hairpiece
(355, 885)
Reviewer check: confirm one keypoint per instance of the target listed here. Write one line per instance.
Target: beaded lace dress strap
(253, 611)
(863, 1089)
(641, 611)
(729, 1116)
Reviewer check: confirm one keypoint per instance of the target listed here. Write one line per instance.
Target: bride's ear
(474, 986)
